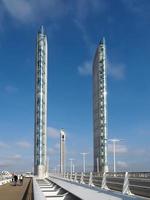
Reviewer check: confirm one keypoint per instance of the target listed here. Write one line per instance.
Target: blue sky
(74, 29)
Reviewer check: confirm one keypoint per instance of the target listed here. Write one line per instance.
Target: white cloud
(3, 145)
(119, 148)
(85, 69)
(54, 150)
(35, 10)
(12, 162)
(4, 164)
(116, 70)
(20, 10)
(10, 89)
(140, 8)
(23, 144)
(122, 164)
(53, 132)
(87, 40)
(57, 146)
(51, 151)
(15, 157)
(27, 11)
(86, 7)
(139, 152)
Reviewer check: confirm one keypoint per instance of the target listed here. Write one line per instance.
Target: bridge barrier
(104, 182)
(115, 181)
(4, 181)
(75, 178)
(38, 194)
(67, 175)
(97, 180)
(28, 193)
(131, 183)
(82, 178)
(91, 180)
(126, 188)
(140, 184)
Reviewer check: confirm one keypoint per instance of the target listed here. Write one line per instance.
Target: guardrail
(4, 179)
(38, 194)
(28, 194)
(132, 183)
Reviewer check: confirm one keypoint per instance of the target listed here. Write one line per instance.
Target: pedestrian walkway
(10, 192)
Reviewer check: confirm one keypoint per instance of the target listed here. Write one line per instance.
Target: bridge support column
(91, 180)
(71, 179)
(67, 176)
(82, 178)
(104, 184)
(126, 189)
(75, 178)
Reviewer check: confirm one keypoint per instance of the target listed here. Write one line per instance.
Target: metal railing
(132, 183)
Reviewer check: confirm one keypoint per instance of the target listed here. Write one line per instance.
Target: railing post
(67, 176)
(126, 189)
(104, 184)
(71, 177)
(91, 180)
(75, 177)
(82, 177)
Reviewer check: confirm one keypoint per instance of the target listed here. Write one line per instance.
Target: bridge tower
(40, 124)
(100, 109)
(62, 151)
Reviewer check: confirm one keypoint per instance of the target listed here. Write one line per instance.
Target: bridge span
(86, 192)
(79, 186)
(94, 187)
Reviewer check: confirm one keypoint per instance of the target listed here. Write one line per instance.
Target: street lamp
(84, 154)
(73, 168)
(71, 159)
(114, 151)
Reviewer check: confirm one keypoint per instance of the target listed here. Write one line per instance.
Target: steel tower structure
(62, 151)
(100, 109)
(40, 126)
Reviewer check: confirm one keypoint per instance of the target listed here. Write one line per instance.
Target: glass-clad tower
(40, 126)
(100, 109)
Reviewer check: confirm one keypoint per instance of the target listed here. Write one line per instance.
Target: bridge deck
(11, 192)
(86, 193)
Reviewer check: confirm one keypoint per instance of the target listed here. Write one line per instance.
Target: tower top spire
(102, 41)
(41, 29)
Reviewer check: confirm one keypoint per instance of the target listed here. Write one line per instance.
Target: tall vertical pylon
(100, 109)
(62, 151)
(40, 125)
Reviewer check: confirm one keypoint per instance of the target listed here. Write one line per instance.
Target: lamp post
(71, 166)
(114, 151)
(84, 154)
